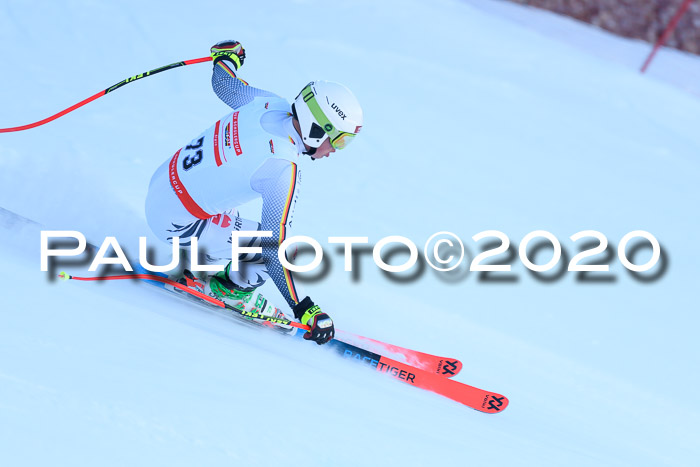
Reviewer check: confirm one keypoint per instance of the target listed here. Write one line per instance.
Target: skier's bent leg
(168, 218)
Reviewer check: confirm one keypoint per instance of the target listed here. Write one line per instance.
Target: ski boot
(222, 288)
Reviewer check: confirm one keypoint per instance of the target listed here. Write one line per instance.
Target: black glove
(322, 329)
(232, 51)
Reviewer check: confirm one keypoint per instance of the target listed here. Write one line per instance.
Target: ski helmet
(325, 108)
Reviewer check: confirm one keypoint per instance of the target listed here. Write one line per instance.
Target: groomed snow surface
(479, 115)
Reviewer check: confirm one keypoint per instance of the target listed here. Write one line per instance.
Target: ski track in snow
(479, 115)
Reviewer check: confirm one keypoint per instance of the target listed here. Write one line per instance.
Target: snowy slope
(474, 121)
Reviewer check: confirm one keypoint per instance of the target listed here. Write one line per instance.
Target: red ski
(428, 377)
(443, 366)
(477, 399)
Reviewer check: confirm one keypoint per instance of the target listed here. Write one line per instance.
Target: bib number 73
(195, 158)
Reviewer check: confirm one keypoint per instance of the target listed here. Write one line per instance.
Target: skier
(253, 152)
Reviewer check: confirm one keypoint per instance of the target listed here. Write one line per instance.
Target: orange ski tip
(494, 403)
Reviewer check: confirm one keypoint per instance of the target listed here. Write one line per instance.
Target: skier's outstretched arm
(278, 181)
(228, 57)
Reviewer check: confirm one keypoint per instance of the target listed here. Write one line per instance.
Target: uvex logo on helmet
(340, 113)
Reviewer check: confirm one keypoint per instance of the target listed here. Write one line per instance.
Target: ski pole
(665, 34)
(102, 93)
(200, 295)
